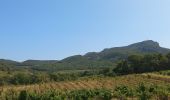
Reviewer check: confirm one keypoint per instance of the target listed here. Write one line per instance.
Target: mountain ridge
(144, 47)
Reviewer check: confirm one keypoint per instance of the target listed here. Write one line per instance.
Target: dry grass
(131, 81)
(90, 83)
(159, 77)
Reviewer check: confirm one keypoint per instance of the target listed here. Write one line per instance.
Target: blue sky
(55, 29)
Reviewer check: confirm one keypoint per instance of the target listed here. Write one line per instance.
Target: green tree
(21, 78)
(135, 62)
(122, 67)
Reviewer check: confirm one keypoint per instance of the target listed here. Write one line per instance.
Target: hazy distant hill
(38, 62)
(7, 64)
(9, 61)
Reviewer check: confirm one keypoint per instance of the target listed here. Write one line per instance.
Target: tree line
(143, 63)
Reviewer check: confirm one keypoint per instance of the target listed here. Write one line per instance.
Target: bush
(105, 94)
(21, 78)
(81, 94)
(143, 92)
(23, 95)
(123, 92)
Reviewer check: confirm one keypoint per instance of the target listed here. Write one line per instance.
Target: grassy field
(94, 82)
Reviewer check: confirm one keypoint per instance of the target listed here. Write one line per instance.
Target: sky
(55, 29)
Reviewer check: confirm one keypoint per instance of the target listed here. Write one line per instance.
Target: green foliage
(104, 94)
(64, 76)
(23, 95)
(122, 67)
(141, 64)
(81, 94)
(123, 92)
(107, 72)
(143, 92)
(21, 78)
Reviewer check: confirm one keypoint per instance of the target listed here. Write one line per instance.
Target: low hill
(38, 62)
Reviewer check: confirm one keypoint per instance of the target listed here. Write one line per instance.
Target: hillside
(116, 53)
(112, 55)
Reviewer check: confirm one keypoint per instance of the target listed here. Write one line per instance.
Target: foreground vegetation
(104, 88)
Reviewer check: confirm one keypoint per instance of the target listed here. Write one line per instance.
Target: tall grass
(99, 88)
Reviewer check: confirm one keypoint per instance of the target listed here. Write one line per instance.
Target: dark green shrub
(122, 92)
(23, 95)
(21, 78)
(81, 94)
(143, 92)
(105, 94)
